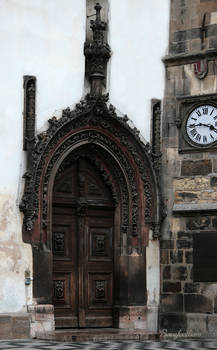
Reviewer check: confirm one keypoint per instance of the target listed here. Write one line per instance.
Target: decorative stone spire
(97, 54)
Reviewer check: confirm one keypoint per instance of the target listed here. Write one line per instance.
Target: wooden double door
(82, 245)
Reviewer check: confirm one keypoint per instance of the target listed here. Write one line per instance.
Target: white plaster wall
(138, 37)
(45, 39)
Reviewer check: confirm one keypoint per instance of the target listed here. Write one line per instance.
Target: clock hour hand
(211, 127)
(200, 124)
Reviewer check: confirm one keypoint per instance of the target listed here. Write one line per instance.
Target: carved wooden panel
(62, 241)
(59, 290)
(65, 185)
(99, 268)
(100, 290)
(100, 243)
(65, 291)
(64, 300)
(91, 184)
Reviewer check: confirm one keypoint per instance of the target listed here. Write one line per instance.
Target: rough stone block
(214, 222)
(196, 325)
(173, 322)
(185, 196)
(180, 273)
(214, 165)
(189, 257)
(184, 235)
(5, 327)
(215, 304)
(184, 244)
(42, 319)
(176, 256)
(211, 30)
(164, 256)
(198, 223)
(166, 272)
(14, 326)
(20, 327)
(179, 47)
(171, 287)
(191, 288)
(191, 183)
(212, 325)
(213, 181)
(197, 303)
(198, 167)
(167, 244)
(193, 33)
(179, 36)
(171, 303)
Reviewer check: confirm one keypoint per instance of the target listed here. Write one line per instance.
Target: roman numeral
(215, 117)
(212, 112)
(211, 136)
(198, 113)
(204, 139)
(205, 110)
(198, 137)
(193, 132)
(193, 118)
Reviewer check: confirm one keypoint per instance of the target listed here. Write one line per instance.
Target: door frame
(84, 221)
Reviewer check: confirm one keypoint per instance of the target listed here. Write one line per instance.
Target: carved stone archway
(128, 166)
(125, 163)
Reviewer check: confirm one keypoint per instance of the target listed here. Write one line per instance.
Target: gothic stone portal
(91, 196)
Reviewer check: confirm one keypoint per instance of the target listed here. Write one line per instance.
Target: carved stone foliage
(127, 161)
(29, 85)
(156, 136)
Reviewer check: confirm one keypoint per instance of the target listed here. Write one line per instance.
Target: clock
(201, 125)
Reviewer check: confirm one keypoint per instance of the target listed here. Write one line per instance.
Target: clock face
(201, 125)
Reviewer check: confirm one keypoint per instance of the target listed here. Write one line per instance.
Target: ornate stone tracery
(93, 123)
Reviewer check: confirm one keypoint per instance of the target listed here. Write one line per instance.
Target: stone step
(102, 334)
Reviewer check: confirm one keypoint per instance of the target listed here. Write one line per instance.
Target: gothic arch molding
(124, 162)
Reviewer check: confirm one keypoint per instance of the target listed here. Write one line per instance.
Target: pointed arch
(93, 130)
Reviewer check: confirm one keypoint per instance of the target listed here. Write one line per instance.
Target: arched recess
(93, 130)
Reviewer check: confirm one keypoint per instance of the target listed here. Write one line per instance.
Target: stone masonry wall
(189, 178)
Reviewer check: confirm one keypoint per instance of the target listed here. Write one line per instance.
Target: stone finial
(97, 54)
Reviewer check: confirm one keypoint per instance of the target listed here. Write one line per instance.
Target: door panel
(65, 270)
(99, 270)
(82, 249)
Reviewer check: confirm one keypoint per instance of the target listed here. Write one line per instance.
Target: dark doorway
(82, 246)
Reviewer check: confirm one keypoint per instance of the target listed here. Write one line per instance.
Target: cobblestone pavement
(188, 344)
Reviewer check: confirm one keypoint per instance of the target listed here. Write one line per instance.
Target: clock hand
(200, 124)
(212, 128)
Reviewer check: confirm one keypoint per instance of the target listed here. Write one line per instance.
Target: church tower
(189, 171)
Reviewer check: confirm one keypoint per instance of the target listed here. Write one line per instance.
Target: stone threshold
(98, 334)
